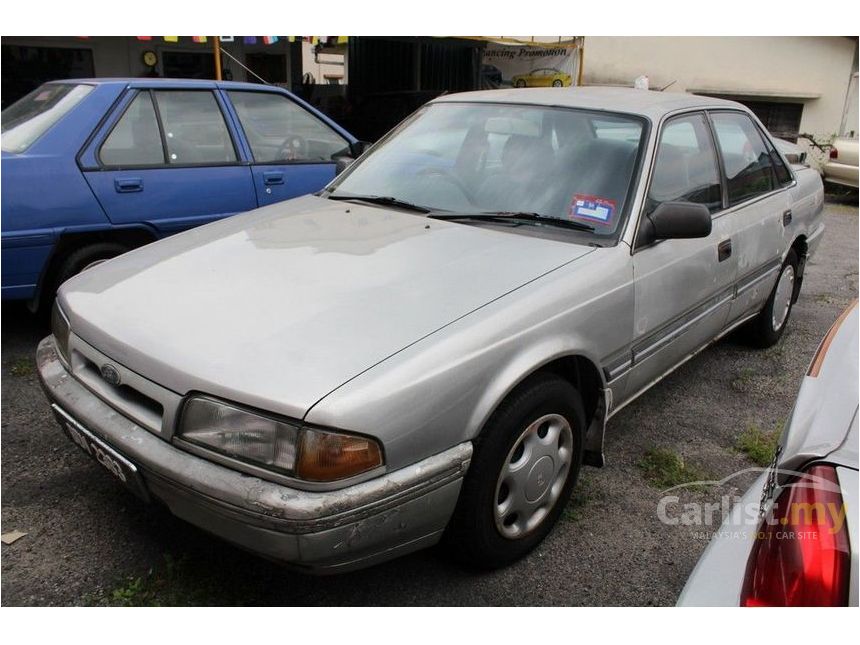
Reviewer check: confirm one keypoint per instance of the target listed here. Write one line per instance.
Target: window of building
(26, 68)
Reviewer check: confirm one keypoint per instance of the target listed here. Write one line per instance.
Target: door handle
(273, 178)
(724, 250)
(128, 185)
(786, 217)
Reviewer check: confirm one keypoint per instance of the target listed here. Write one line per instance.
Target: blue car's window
(280, 130)
(135, 140)
(194, 128)
(475, 158)
(29, 118)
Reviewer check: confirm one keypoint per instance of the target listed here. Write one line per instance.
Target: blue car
(93, 168)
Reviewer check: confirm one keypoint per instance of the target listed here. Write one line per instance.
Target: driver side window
(686, 166)
(279, 130)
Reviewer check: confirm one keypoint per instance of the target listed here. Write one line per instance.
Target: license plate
(113, 462)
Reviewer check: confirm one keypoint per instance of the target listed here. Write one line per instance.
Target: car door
(168, 159)
(683, 287)
(293, 150)
(759, 208)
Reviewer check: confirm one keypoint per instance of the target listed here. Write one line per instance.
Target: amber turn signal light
(329, 456)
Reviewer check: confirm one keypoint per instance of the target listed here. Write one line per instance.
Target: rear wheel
(767, 328)
(557, 83)
(73, 263)
(520, 83)
(525, 465)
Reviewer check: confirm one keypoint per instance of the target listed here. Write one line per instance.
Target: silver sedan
(432, 346)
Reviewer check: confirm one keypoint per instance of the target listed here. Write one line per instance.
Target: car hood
(278, 307)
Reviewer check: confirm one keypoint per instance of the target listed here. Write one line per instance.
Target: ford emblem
(110, 374)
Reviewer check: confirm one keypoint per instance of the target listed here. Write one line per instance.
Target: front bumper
(331, 531)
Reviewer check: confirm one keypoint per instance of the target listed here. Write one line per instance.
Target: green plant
(757, 444)
(664, 469)
(22, 367)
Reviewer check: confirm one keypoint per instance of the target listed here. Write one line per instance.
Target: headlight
(275, 444)
(60, 329)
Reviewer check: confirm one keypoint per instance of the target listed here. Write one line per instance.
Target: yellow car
(542, 77)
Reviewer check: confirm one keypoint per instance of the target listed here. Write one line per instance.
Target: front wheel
(520, 83)
(525, 465)
(557, 83)
(767, 328)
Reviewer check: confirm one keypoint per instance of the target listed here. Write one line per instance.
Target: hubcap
(782, 297)
(533, 475)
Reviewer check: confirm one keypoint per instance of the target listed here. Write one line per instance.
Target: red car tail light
(834, 153)
(801, 556)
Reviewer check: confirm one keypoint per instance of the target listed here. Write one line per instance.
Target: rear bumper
(840, 173)
(718, 578)
(331, 531)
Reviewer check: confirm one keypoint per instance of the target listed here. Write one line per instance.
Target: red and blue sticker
(592, 208)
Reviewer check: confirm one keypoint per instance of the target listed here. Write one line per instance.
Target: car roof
(171, 83)
(648, 103)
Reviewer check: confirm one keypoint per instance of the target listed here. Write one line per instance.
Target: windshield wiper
(499, 216)
(383, 200)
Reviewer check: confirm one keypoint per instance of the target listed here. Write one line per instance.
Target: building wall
(122, 55)
(814, 71)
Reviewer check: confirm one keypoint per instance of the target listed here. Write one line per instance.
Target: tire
(486, 529)
(557, 83)
(767, 328)
(520, 83)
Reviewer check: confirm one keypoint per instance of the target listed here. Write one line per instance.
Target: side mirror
(356, 149)
(341, 164)
(675, 220)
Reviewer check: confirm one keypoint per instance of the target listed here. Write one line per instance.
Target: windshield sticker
(592, 208)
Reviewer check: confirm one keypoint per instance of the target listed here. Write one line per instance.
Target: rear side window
(783, 175)
(135, 140)
(748, 165)
(30, 117)
(194, 128)
(686, 166)
(280, 130)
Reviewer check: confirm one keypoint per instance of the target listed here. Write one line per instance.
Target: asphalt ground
(90, 542)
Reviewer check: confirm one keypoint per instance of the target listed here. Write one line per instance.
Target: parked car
(542, 77)
(93, 168)
(841, 167)
(434, 343)
(796, 550)
(792, 152)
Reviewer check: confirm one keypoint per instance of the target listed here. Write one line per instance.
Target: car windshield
(484, 158)
(29, 118)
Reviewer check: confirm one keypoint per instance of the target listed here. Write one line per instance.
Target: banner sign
(528, 66)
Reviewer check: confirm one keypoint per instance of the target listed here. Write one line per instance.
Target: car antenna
(239, 63)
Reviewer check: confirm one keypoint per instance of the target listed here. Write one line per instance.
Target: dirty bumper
(330, 531)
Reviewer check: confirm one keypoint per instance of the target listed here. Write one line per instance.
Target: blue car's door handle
(128, 185)
(273, 178)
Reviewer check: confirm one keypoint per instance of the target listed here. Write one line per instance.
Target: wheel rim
(533, 476)
(782, 297)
